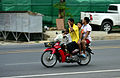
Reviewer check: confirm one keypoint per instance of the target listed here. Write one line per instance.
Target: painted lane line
(105, 47)
(67, 73)
(22, 63)
(41, 50)
(22, 51)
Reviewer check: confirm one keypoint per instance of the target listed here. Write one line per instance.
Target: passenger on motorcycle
(85, 37)
(64, 38)
(73, 30)
(79, 24)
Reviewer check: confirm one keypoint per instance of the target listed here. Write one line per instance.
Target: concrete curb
(10, 45)
(21, 43)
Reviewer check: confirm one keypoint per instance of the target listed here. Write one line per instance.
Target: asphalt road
(23, 61)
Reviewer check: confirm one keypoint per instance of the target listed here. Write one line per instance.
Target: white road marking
(67, 73)
(22, 63)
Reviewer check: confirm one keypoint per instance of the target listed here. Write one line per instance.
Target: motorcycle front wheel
(48, 60)
(85, 61)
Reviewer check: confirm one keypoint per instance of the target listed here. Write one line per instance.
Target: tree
(61, 6)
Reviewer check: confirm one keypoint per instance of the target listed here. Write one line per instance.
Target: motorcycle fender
(63, 56)
(51, 49)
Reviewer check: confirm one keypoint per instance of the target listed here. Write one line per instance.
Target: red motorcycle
(59, 52)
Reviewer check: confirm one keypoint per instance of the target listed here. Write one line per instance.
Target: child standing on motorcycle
(64, 38)
(85, 37)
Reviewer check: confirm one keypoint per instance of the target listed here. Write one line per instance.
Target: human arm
(71, 28)
(76, 30)
(88, 32)
(81, 34)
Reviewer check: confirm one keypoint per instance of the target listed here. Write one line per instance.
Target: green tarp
(16, 5)
(50, 13)
(0, 6)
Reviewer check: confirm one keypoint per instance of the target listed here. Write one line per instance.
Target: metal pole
(27, 36)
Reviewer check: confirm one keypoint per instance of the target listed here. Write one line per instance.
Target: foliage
(62, 6)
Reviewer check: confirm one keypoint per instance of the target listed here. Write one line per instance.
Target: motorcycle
(58, 52)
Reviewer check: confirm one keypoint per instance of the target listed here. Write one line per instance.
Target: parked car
(106, 20)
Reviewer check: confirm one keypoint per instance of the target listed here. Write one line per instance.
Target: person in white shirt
(85, 37)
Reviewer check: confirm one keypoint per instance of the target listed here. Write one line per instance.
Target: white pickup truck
(105, 19)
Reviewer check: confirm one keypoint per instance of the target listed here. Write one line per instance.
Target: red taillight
(91, 18)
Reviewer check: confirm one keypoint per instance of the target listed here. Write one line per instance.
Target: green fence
(0, 6)
(50, 13)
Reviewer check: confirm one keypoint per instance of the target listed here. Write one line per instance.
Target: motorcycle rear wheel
(85, 61)
(46, 61)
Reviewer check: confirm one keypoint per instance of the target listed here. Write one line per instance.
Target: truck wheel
(106, 26)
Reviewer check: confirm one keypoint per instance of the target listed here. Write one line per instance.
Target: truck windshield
(113, 8)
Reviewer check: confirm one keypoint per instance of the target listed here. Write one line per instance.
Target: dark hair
(65, 30)
(87, 19)
(80, 22)
(71, 19)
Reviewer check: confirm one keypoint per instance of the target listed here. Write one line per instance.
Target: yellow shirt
(74, 34)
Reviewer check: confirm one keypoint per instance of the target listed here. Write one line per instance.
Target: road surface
(23, 61)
